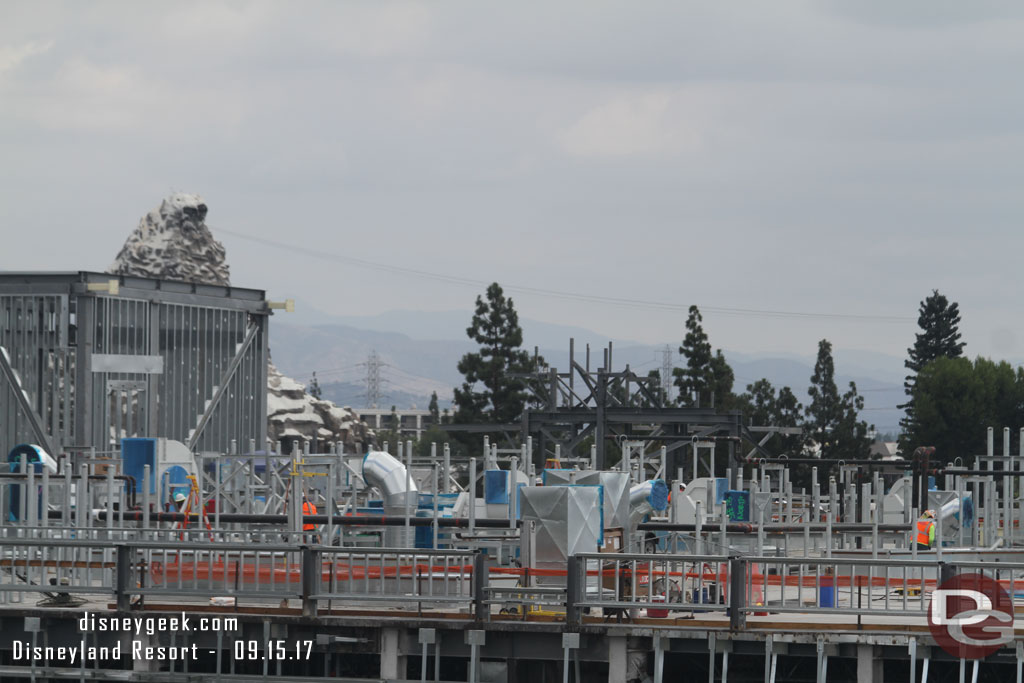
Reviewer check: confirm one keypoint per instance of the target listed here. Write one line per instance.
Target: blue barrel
(827, 592)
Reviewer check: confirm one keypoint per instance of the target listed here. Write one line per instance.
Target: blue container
(701, 597)
(827, 593)
(136, 453)
(496, 487)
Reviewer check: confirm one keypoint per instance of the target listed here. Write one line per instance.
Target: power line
(572, 296)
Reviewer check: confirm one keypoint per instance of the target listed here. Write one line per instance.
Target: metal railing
(395, 575)
(55, 567)
(259, 573)
(837, 585)
(617, 583)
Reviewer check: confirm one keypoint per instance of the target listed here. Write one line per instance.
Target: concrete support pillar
(392, 662)
(869, 667)
(145, 640)
(617, 659)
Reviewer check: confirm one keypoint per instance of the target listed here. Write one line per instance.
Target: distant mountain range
(420, 352)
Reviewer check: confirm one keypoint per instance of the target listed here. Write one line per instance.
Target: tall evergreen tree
(722, 379)
(763, 407)
(832, 419)
(956, 399)
(435, 413)
(939, 321)
(706, 376)
(314, 389)
(492, 391)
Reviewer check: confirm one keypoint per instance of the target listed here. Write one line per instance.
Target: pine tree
(939, 321)
(494, 389)
(722, 379)
(314, 388)
(705, 376)
(435, 413)
(763, 407)
(832, 420)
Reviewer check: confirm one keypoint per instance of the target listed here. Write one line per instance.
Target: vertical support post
(472, 495)
(427, 637)
(725, 535)
(480, 610)
(830, 516)
(434, 497)
(737, 593)
(869, 667)
(659, 658)
(711, 657)
(332, 474)
(389, 655)
(769, 645)
(475, 638)
(44, 512)
(820, 670)
(513, 490)
(437, 658)
(447, 469)
(572, 592)
(617, 656)
(570, 641)
(146, 503)
(409, 538)
(122, 577)
(699, 519)
(912, 646)
(310, 580)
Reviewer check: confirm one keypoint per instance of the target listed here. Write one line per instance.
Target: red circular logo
(971, 616)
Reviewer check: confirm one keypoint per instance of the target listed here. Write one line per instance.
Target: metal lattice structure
(90, 360)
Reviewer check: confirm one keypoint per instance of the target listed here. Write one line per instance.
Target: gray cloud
(833, 157)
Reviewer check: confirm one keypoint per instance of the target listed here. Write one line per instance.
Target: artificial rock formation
(173, 242)
(293, 414)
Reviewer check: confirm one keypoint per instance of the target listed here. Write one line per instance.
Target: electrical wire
(572, 296)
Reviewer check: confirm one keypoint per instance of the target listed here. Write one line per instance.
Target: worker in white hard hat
(926, 531)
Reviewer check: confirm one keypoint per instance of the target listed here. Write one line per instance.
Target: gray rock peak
(172, 242)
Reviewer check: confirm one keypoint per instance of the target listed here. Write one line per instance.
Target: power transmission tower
(373, 366)
(666, 372)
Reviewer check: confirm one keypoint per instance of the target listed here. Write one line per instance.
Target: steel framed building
(91, 358)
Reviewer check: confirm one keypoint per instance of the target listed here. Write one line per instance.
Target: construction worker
(926, 531)
(308, 508)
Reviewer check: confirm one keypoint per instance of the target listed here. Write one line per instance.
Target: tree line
(950, 399)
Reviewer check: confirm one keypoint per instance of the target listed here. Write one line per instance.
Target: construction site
(152, 531)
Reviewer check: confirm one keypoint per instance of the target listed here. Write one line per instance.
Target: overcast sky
(803, 157)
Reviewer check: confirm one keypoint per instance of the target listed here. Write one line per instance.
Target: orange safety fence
(290, 572)
(284, 572)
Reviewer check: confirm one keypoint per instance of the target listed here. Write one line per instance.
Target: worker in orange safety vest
(308, 508)
(926, 531)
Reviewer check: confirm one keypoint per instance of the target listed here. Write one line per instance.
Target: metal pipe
(461, 522)
(645, 498)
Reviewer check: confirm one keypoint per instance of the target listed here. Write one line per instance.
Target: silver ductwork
(388, 475)
(650, 496)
